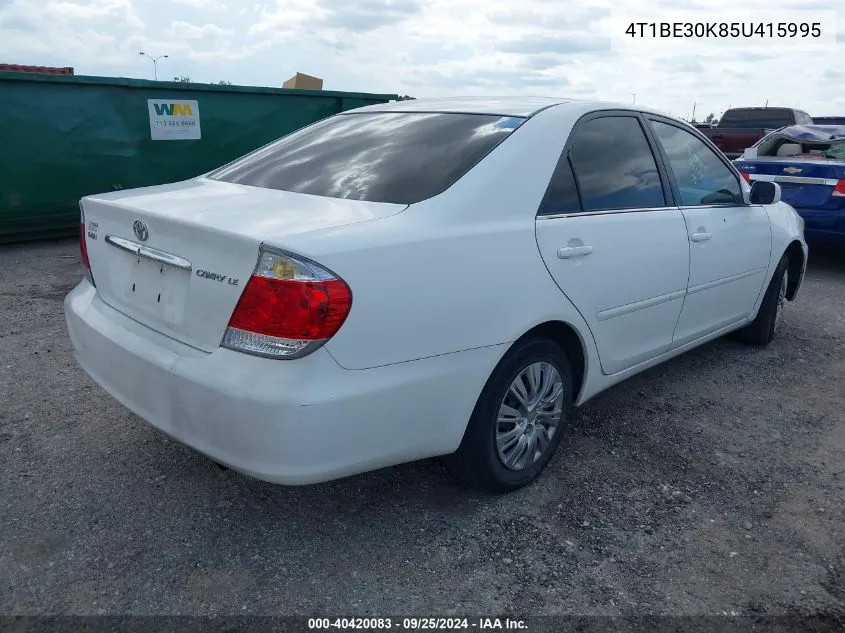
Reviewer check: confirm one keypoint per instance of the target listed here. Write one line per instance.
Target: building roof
(43, 70)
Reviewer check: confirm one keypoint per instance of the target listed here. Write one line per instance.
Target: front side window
(701, 176)
(396, 157)
(614, 166)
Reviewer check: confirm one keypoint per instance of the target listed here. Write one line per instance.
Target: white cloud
(72, 30)
(202, 4)
(431, 48)
(186, 30)
(122, 11)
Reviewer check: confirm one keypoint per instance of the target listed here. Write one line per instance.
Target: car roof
(504, 106)
(501, 106)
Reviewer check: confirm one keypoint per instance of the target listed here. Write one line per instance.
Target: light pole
(634, 94)
(154, 61)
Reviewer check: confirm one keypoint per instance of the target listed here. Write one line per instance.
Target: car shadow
(826, 257)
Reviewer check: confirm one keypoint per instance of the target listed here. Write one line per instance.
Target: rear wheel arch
(795, 253)
(568, 338)
(479, 461)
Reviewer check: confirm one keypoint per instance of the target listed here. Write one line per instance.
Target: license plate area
(157, 289)
(805, 195)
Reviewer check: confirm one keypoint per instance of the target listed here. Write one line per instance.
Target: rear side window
(562, 193)
(702, 178)
(395, 157)
(614, 166)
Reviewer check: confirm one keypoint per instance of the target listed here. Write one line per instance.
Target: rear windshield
(396, 157)
(790, 148)
(770, 119)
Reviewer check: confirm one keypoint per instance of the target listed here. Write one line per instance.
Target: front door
(730, 241)
(612, 240)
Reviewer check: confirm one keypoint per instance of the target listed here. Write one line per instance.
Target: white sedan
(422, 278)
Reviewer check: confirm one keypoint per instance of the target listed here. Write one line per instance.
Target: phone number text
(176, 123)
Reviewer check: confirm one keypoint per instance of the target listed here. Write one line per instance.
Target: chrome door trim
(576, 214)
(798, 180)
(149, 253)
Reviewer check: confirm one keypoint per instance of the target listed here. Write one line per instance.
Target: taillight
(746, 176)
(839, 189)
(289, 307)
(83, 249)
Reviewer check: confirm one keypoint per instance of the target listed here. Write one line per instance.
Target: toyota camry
(424, 278)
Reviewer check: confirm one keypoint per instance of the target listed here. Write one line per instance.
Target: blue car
(808, 162)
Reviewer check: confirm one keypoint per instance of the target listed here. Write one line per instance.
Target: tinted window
(769, 118)
(380, 157)
(562, 194)
(702, 178)
(614, 166)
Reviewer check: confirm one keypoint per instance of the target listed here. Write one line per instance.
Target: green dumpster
(64, 137)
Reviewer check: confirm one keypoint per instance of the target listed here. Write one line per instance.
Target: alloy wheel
(529, 416)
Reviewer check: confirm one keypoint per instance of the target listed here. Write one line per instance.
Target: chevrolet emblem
(792, 170)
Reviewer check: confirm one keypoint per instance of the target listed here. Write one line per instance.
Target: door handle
(700, 237)
(574, 251)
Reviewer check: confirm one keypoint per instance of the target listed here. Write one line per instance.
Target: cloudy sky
(439, 47)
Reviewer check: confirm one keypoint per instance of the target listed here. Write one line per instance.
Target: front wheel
(762, 330)
(518, 421)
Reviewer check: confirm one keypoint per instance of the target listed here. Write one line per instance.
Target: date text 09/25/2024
(417, 624)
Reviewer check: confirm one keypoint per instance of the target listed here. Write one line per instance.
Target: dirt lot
(714, 483)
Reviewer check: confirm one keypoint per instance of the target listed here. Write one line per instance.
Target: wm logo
(173, 109)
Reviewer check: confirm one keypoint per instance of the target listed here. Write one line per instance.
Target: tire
(761, 331)
(479, 462)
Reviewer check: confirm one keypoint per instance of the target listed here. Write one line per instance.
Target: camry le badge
(140, 229)
(792, 170)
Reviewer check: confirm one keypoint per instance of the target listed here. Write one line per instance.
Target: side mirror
(764, 192)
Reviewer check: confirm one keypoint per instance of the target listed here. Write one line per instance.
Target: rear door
(612, 240)
(730, 241)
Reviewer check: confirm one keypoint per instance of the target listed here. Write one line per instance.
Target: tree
(182, 79)
(711, 119)
(223, 82)
(405, 98)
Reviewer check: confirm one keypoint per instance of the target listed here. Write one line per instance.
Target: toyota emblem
(140, 229)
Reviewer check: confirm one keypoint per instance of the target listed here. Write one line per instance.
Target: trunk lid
(199, 248)
(805, 182)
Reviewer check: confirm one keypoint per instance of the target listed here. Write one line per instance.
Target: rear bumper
(823, 224)
(290, 422)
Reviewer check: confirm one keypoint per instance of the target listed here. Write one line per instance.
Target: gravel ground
(711, 484)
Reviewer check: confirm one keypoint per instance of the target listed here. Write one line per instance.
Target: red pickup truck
(740, 128)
